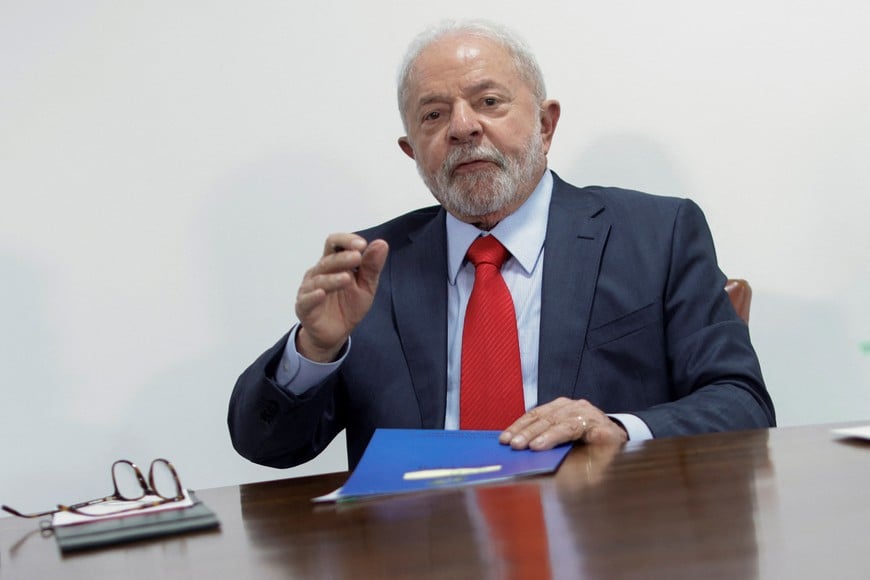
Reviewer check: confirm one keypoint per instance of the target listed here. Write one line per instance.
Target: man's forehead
(460, 48)
(473, 63)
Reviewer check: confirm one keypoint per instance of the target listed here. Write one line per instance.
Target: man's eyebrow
(432, 98)
(486, 85)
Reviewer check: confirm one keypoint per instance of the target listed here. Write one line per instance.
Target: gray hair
(524, 60)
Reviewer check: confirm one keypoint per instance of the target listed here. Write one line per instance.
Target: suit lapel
(576, 234)
(418, 280)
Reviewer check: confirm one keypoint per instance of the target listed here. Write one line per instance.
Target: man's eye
(431, 116)
(490, 101)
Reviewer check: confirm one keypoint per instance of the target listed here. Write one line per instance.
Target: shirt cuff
(297, 374)
(635, 427)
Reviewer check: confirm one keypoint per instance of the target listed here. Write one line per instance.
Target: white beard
(488, 191)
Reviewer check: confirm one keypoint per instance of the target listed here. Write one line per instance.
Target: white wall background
(168, 170)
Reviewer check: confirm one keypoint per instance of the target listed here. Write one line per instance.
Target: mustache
(462, 155)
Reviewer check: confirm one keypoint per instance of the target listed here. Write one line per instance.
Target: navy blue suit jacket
(634, 319)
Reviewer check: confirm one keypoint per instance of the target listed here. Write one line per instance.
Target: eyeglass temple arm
(60, 508)
(15, 512)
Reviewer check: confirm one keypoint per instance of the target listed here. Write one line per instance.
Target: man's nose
(464, 124)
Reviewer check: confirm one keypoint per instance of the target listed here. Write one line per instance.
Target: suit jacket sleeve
(715, 376)
(272, 426)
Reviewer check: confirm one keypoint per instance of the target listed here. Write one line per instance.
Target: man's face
(478, 135)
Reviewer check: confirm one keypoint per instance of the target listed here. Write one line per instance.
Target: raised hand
(337, 293)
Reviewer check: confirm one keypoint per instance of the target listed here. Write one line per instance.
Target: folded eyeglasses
(133, 491)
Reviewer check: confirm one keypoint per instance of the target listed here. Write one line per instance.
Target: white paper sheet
(859, 432)
(118, 509)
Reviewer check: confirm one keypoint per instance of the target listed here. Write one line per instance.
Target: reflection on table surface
(780, 503)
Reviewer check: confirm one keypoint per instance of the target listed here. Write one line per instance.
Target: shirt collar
(522, 232)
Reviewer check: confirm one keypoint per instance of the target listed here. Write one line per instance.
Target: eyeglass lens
(163, 479)
(129, 482)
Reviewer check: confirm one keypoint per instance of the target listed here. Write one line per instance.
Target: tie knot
(487, 250)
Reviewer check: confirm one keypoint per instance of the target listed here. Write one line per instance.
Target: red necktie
(491, 380)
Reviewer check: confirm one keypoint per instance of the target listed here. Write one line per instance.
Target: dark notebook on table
(105, 531)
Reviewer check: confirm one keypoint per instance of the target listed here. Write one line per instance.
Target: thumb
(373, 259)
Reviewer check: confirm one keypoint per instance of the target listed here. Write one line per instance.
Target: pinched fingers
(340, 242)
(341, 253)
(346, 259)
(337, 292)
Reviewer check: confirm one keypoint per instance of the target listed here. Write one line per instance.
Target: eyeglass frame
(147, 486)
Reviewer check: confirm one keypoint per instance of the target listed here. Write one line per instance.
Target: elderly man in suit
(619, 325)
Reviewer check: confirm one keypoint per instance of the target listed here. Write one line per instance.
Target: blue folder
(410, 460)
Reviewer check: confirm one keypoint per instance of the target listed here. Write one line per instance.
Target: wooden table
(780, 503)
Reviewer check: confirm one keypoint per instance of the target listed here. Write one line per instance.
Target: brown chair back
(740, 293)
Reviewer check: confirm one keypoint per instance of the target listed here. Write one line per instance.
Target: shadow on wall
(815, 372)
(254, 238)
(631, 161)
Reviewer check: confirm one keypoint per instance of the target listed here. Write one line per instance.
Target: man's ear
(405, 146)
(550, 112)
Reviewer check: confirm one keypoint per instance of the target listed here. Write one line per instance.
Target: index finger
(527, 429)
(544, 410)
(516, 427)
